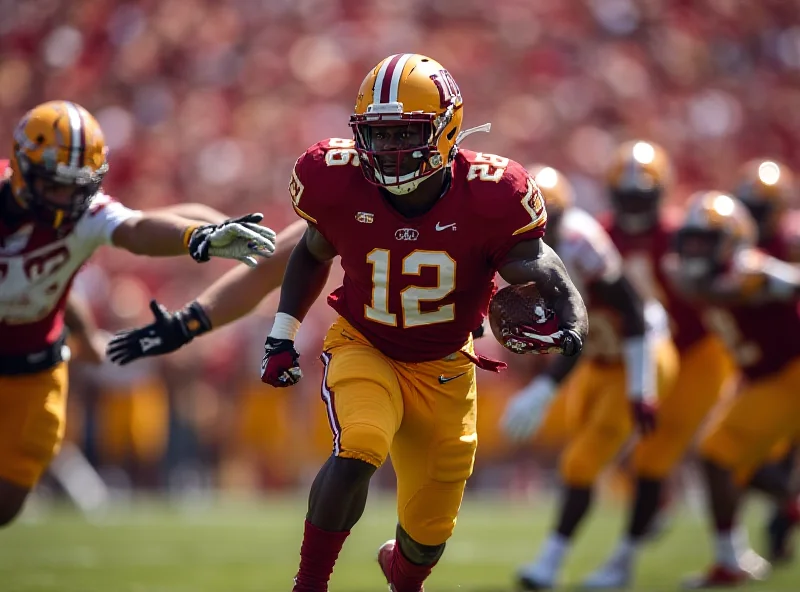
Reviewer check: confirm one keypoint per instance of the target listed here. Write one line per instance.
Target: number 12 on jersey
(411, 296)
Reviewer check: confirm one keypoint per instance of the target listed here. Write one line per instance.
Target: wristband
(187, 234)
(285, 326)
(195, 320)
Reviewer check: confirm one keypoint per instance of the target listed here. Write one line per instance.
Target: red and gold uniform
(752, 307)
(704, 364)
(399, 372)
(38, 261)
(597, 404)
(760, 336)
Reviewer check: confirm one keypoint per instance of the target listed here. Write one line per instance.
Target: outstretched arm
(231, 297)
(535, 261)
(164, 234)
(240, 290)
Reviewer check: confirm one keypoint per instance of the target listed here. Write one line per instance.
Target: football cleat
(533, 577)
(752, 567)
(614, 574)
(385, 554)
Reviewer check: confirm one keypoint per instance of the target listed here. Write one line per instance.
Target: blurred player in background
(752, 301)
(628, 361)
(767, 188)
(54, 217)
(642, 228)
(421, 227)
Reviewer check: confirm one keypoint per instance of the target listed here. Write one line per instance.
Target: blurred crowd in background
(211, 101)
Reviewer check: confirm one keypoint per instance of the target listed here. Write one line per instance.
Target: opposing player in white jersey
(54, 216)
(628, 359)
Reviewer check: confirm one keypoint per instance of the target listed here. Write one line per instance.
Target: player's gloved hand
(526, 339)
(644, 416)
(240, 238)
(280, 366)
(170, 331)
(525, 411)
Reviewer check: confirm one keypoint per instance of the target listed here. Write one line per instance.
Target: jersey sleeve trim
(303, 215)
(534, 204)
(296, 189)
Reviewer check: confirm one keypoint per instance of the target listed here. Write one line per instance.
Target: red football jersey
(643, 256)
(763, 336)
(416, 287)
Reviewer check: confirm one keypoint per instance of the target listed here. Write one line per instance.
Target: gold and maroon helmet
(639, 173)
(558, 196)
(555, 187)
(58, 160)
(714, 227)
(767, 188)
(414, 91)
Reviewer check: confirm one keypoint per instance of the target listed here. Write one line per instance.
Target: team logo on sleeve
(295, 188)
(533, 202)
(365, 217)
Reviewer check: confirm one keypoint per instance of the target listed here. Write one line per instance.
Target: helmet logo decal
(449, 93)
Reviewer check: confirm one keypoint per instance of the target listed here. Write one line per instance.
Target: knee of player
(578, 469)
(365, 442)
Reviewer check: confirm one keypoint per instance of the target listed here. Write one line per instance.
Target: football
(517, 305)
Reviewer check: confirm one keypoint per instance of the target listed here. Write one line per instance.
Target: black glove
(478, 332)
(571, 343)
(170, 331)
(280, 366)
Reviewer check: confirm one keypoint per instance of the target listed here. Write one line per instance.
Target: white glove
(239, 238)
(525, 411)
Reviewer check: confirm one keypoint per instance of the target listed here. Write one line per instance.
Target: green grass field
(242, 546)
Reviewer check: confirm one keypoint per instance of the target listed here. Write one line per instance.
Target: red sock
(407, 576)
(317, 558)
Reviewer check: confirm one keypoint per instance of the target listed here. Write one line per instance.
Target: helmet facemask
(703, 252)
(59, 196)
(636, 210)
(397, 150)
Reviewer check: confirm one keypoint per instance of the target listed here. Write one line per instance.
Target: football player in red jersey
(628, 361)
(642, 229)
(748, 293)
(421, 226)
(767, 188)
(54, 215)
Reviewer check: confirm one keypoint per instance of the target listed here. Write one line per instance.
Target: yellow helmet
(714, 227)
(636, 179)
(555, 187)
(766, 188)
(58, 160)
(416, 97)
